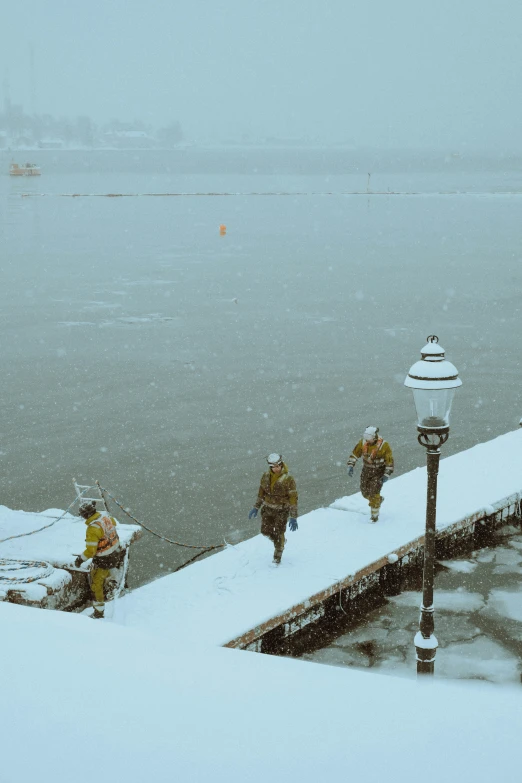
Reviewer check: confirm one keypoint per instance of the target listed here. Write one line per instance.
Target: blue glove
(350, 470)
(253, 514)
(385, 479)
(292, 523)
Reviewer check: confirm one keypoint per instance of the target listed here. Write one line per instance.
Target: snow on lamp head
(433, 381)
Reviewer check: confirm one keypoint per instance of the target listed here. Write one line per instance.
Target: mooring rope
(153, 532)
(11, 565)
(55, 520)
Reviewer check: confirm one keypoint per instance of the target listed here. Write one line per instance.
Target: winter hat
(87, 509)
(370, 433)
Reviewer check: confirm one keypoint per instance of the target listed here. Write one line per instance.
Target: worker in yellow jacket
(378, 466)
(277, 499)
(102, 544)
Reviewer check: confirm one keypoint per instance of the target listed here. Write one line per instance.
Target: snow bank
(163, 713)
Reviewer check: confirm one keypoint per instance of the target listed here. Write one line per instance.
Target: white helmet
(370, 433)
(275, 459)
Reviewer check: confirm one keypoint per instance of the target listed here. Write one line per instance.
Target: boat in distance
(24, 170)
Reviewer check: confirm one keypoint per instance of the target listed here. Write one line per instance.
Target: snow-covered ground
(82, 700)
(152, 696)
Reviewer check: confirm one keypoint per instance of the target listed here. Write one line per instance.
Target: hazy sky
(443, 73)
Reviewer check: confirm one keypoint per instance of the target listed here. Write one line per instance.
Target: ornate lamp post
(433, 381)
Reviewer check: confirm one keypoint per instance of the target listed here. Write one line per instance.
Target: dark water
(478, 621)
(141, 348)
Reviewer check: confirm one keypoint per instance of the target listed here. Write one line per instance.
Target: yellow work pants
(98, 577)
(273, 526)
(374, 501)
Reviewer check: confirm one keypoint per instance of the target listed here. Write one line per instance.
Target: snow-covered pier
(238, 598)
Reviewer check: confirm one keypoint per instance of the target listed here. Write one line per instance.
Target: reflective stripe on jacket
(278, 494)
(101, 537)
(375, 455)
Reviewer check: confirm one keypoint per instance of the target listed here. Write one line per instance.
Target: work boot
(374, 516)
(97, 615)
(278, 548)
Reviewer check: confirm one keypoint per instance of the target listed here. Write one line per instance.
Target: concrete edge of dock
(385, 574)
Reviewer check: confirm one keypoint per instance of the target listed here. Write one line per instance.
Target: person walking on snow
(102, 544)
(377, 467)
(277, 499)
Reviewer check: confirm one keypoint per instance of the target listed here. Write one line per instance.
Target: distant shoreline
(414, 154)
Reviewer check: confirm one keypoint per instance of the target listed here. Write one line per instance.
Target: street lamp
(433, 381)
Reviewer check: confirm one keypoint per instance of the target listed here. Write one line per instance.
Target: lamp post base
(426, 649)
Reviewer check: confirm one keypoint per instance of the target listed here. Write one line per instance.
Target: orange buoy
(222, 230)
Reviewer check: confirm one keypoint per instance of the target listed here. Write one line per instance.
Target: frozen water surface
(507, 604)
(461, 566)
(478, 623)
(459, 600)
(486, 556)
(508, 557)
(479, 659)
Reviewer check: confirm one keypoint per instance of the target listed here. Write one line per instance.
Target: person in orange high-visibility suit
(378, 466)
(102, 544)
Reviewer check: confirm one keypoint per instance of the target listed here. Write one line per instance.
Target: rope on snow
(9, 566)
(55, 520)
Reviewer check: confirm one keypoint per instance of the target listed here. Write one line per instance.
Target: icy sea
(142, 348)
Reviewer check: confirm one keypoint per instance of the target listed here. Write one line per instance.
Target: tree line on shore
(17, 128)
